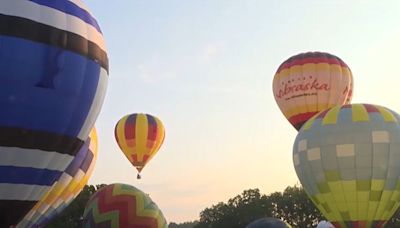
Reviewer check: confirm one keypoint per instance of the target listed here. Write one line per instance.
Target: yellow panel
(331, 116)
(141, 136)
(341, 206)
(387, 116)
(353, 210)
(363, 210)
(121, 137)
(309, 123)
(372, 207)
(359, 113)
(377, 185)
(382, 204)
(362, 196)
(350, 186)
(335, 186)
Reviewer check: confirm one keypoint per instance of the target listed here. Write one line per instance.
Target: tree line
(292, 205)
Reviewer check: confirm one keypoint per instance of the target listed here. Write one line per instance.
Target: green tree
(294, 206)
(237, 212)
(182, 225)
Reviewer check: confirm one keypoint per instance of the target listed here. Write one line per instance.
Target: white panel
(302, 145)
(380, 137)
(19, 157)
(96, 105)
(52, 17)
(345, 150)
(296, 159)
(314, 154)
(15, 191)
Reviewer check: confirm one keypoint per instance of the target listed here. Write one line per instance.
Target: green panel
(332, 175)
(326, 207)
(323, 187)
(375, 195)
(363, 185)
(345, 215)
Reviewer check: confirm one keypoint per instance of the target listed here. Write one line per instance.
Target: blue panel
(29, 100)
(29, 176)
(70, 8)
(73, 167)
(363, 154)
(328, 157)
(346, 162)
(345, 116)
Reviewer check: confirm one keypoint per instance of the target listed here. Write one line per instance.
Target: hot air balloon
(348, 160)
(311, 82)
(122, 206)
(139, 136)
(54, 72)
(69, 185)
(268, 223)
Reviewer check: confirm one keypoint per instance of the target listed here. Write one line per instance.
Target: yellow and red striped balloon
(308, 83)
(139, 136)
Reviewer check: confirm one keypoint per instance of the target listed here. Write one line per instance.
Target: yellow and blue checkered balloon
(348, 160)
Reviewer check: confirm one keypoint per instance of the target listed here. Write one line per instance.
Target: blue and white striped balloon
(53, 79)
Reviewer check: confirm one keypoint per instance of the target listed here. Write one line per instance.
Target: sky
(205, 69)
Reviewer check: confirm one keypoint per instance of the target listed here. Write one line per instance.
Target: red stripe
(125, 205)
(298, 120)
(370, 108)
(130, 127)
(301, 60)
(346, 106)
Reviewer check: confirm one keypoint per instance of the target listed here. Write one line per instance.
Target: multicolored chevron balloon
(348, 160)
(122, 206)
(70, 184)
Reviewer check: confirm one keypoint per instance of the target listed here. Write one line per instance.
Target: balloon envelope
(53, 79)
(139, 136)
(69, 185)
(268, 223)
(122, 206)
(348, 161)
(308, 83)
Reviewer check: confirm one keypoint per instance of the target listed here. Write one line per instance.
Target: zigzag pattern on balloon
(123, 206)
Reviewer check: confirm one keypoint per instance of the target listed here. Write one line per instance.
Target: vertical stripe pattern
(139, 136)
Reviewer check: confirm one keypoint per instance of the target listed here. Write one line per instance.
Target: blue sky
(205, 68)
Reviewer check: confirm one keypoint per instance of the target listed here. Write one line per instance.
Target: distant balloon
(139, 136)
(122, 206)
(268, 223)
(54, 72)
(308, 83)
(64, 191)
(348, 160)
